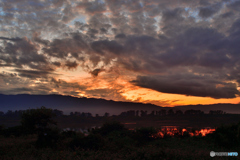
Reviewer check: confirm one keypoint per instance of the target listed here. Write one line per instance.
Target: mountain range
(95, 106)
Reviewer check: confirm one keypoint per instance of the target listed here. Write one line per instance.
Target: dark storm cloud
(173, 15)
(58, 64)
(22, 52)
(202, 86)
(147, 38)
(40, 89)
(228, 14)
(26, 90)
(95, 72)
(234, 38)
(200, 46)
(13, 83)
(9, 78)
(235, 30)
(60, 48)
(32, 73)
(71, 65)
(206, 12)
(235, 5)
(133, 52)
(120, 36)
(194, 45)
(37, 39)
(66, 85)
(108, 46)
(92, 33)
(204, 2)
(92, 7)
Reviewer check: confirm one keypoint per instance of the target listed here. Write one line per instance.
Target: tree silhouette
(216, 112)
(192, 111)
(58, 112)
(35, 120)
(179, 112)
(137, 113)
(152, 113)
(170, 112)
(143, 113)
(163, 112)
(106, 114)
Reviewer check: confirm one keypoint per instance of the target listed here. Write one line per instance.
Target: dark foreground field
(37, 136)
(114, 141)
(23, 148)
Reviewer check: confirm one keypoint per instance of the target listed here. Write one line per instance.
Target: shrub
(13, 131)
(48, 138)
(109, 127)
(90, 142)
(37, 120)
(68, 134)
(143, 135)
(119, 139)
(227, 136)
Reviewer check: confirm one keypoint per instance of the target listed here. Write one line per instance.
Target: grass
(23, 148)
(114, 142)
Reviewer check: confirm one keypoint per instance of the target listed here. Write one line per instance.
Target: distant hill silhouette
(68, 104)
(95, 106)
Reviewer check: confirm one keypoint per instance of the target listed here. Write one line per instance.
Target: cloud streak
(202, 86)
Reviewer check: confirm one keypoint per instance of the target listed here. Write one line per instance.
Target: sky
(164, 52)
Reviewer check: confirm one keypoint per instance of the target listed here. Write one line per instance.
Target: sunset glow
(174, 131)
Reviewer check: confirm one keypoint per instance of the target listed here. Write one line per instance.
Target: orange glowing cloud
(120, 88)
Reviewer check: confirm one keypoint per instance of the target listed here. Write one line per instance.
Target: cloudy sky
(164, 52)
